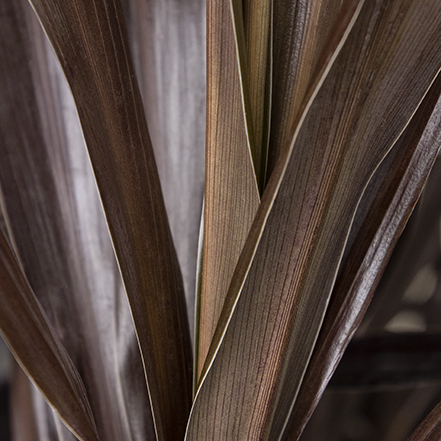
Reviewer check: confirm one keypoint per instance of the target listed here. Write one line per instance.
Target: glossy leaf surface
(167, 38)
(395, 188)
(410, 282)
(59, 231)
(231, 192)
(42, 357)
(276, 319)
(90, 41)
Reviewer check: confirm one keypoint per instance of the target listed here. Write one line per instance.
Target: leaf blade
(168, 44)
(91, 44)
(59, 232)
(404, 174)
(43, 358)
(338, 37)
(301, 33)
(231, 193)
(269, 352)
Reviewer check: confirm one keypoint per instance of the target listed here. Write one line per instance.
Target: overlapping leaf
(337, 37)
(231, 220)
(167, 38)
(324, 150)
(287, 270)
(257, 46)
(90, 41)
(43, 357)
(60, 234)
(301, 32)
(416, 257)
(231, 192)
(392, 195)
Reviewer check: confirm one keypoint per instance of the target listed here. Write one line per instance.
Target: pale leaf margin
(91, 43)
(402, 186)
(343, 28)
(398, 128)
(231, 191)
(35, 346)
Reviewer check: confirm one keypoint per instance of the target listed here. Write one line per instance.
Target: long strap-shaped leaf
(32, 340)
(416, 258)
(356, 117)
(24, 178)
(328, 57)
(229, 216)
(168, 44)
(257, 45)
(59, 231)
(401, 181)
(90, 41)
(231, 192)
(301, 32)
(252, 28)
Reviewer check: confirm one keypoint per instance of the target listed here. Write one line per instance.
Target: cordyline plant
(322, 123)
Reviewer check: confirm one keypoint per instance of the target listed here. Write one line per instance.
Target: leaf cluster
(322, 122)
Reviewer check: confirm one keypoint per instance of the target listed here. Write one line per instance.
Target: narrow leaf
(258, 24)
(231, 192)
(223, 262)
(301, 32)
(252, 25)
(259, 367)
(328, 57)
(168, 45)
(90, 41)
(42, 356)
(415, 257)
(59, 232)
(402, 176)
